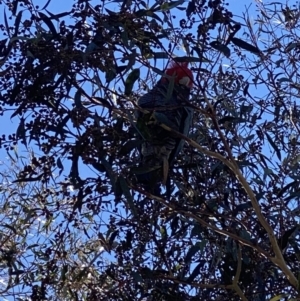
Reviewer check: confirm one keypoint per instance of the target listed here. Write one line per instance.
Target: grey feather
(160, 145)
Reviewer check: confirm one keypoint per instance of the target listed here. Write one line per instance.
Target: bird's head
(183, 75)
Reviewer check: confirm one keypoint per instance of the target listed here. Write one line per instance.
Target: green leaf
(220, 47)
(279, 297)
(186, 46)
(137, 277)
(59, 164)
(124, 38)
(21, 132)
(245, 235)
(284, 79)
(285, 188)
(90, 48)
(160, 55)
(129, 146)
(159, 72)
(174, 225)
(249, 138)
(232, 119)
(10, 227)
(291, 46)
(128, 196)
(110, 75)
(198, 51)
(102, 101)
(120, 69)
(14, 7)
(169, 5)
(143, 3)
(195, 272)
(131, 79)
(131, 60)
(17, 23)
(190, 8)
(191, 59)
(48, 22)
(46, 5)
(155, 16)
(273, 144)
(267, 172)
(277, 63)
(246, 109)
(242, 44)
(77, 99)
(110, 12)
(197, 231)
(150, 13)
(140, 13)
(246, 163)
(243, 207)
(191, 252)
(112, 238)
(6, 24)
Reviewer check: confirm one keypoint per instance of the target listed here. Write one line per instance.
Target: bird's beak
(185, 81)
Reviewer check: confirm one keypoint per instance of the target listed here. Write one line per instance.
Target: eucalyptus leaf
(131, 79)
(221, 47)
(245, 45)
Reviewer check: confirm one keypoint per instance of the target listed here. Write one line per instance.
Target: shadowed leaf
(232, 119)
(245, 45)
(131, 79)
(220, 47)
(128, 196)
(48, 23)
(190, 8)
(273, 144)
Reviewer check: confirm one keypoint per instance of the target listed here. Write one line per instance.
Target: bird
(166, 103)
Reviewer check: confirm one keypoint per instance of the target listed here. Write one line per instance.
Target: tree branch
(278, 259)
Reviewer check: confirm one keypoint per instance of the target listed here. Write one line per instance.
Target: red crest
(183, 74)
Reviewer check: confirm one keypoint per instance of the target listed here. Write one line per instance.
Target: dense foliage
(76, 225)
